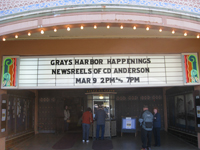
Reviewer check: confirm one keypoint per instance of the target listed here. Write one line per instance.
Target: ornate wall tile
(16, 6)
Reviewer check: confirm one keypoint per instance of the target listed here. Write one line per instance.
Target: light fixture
(147, 28)
(81, 27)
(55, 30)
(185, 34)
(68, 28)
(16, 36)
(121, 27)
(160, 30)
(42, 31)
(173, 31)
(4, 39)
(108, 27)
(100, 97)
(134, 28)
(95, 27)
(198, 36)
(29, 34)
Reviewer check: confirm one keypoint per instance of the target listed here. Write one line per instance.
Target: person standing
(100, 117)
(146, 121)
(156, 126)
(66, 118)
(87, 119)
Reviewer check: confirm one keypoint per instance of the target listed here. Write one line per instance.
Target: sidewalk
(127, 142)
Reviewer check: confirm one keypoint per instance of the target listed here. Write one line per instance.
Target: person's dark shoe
(149, 148)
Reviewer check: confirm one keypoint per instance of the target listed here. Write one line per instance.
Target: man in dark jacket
(146, 121)
(100, 117)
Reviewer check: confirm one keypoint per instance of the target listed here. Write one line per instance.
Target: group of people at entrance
(149, 123)
(87, 119)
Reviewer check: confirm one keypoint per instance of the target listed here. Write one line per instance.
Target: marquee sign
(100, 71)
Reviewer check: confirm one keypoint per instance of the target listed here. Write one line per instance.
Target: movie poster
(3, 115)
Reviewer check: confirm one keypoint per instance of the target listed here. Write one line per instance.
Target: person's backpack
(147, 119)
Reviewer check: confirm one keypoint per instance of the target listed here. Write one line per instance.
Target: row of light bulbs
(108, 27)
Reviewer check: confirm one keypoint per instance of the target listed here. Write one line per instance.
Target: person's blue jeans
(66, 125)
(102, 131)
(156, 132)
(86, 130)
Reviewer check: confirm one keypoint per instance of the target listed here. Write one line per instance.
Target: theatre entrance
(117, 103)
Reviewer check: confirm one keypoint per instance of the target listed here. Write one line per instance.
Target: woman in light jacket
(66, 117)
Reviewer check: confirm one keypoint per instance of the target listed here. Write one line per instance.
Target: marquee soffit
(100, 15)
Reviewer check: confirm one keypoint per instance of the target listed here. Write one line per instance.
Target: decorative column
(3, 139)
(165, 108)
(198, 134)
(36, 112)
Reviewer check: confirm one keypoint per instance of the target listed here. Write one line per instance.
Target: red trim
(186, 72)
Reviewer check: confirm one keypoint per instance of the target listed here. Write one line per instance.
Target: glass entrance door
(101, 100)
(105, 100)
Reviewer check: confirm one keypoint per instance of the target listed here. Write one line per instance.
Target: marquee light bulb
(147, 28)
(42, 31)
(108, 27)
(29, 34)
(55, 30)
(16, 36)
(121, 27)
(160, 30)
(134, 28)
(68, 28)
(82, 27)
(185, 34)
(95, 27)
(4, 39)
(198, 36)
(173, 31)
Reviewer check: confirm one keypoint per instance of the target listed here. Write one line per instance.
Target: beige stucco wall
(2, 143)
(99, 46)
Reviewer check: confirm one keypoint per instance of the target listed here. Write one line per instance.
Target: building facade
(146, 46)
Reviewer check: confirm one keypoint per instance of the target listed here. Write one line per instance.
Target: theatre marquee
(99, 71)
